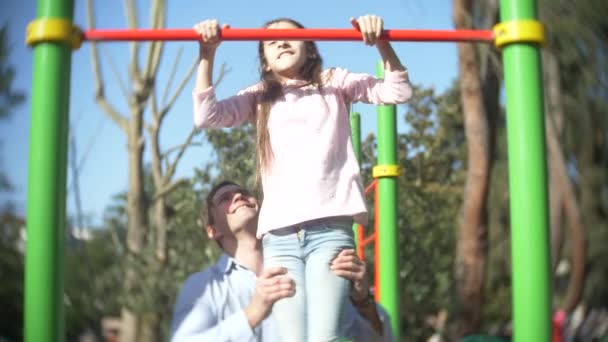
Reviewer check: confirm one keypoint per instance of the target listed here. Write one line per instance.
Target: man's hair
(209, 199)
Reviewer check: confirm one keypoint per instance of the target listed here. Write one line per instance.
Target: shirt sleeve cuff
(396, 76)
(198, 94)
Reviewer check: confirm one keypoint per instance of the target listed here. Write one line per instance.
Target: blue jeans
(307, 250)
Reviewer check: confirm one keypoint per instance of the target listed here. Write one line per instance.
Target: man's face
(233, 209)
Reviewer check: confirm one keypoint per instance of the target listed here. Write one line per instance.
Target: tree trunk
(150, 327)
(562, 191)
(161, 220)
(142, 326)
(137, 222)
(554, 113)
(129, 323)
(471, 252)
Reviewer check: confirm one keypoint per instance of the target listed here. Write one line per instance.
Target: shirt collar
(226, 263)
(294, 82)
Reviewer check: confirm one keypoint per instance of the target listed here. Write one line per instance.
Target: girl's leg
(284, 250)
(326, 292)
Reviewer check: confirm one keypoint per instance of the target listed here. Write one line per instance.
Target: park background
(435, 214)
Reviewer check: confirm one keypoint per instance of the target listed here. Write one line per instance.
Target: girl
(309, 172)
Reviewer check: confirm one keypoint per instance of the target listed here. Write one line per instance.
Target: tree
(9, 97)
(148, 218)
(575, 97)
(11, 256)
(92, 284)
(233, 149)
(471, 254)
(432, 156)
(11, 271)
(574, 80)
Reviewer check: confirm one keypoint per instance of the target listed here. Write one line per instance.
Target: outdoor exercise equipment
(53, 36)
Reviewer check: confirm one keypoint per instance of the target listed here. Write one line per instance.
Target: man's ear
(212, 233)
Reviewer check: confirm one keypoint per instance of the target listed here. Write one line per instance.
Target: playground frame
(53, 37)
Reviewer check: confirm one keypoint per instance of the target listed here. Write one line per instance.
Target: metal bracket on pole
(519, 31)
(55, 30)
(386, 171)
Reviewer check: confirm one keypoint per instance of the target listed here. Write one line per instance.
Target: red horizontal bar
(236, 34)
(368, 239)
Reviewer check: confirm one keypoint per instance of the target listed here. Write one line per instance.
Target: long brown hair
(272, 91)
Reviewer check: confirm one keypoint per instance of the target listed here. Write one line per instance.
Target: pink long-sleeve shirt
(314, 172)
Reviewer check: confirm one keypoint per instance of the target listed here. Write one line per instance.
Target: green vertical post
(355, 128)
(387, 213)
(44, 319)
(527, 181)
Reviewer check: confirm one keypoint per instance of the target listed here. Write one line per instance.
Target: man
(228, 302)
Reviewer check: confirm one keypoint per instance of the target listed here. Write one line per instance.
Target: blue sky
(104, 172)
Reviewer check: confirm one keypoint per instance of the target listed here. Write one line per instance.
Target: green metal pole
(387, 213)
(44, 319)
(527, 182)
(355, 127)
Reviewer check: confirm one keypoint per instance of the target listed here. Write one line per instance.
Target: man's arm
(366, 307)
(270, 286)
(363, 320)
(201, 322)
(195, 316)
(358, 327)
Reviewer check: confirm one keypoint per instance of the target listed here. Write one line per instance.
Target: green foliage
(11, 273)
(92, 282)
(9, 98)
(578, 36)
(11, 258)
(235, 152)
(95, 270)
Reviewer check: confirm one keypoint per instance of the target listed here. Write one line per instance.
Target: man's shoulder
(202, 278)
(200, 282)
(198, 286)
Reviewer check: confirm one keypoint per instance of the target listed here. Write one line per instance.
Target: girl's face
(284, 58)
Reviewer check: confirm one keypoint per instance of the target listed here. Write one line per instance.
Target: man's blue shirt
(211, 303)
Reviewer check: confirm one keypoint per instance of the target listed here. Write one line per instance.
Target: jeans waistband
(310, 225)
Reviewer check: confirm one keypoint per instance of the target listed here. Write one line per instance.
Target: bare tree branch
(92, 140)
(120, 120)
(156, 162)
(154, 106)
(114, 68)
(169, 188)
(171, 76)
(155, 49)
(99, 93)
(131, 14)
(171, 169)
(179, 147)
(156, 57)
(179, 89)
(221, 74)
(150, 128)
